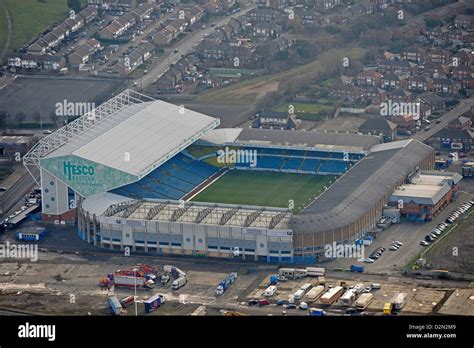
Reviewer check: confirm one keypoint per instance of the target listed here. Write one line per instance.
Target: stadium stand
(173, 180)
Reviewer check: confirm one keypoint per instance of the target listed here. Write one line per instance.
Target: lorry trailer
(153, 303)
(116, 306)
(225, 283)
(127, 281)
(357, 268)
(317, 312)
(178, 283)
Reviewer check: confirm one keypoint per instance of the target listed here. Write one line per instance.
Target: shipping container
(332, 295)
(363, 301)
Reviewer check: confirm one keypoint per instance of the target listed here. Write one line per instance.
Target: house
(74, 24)
(461, 122)
(32, 61)
(435, 70)
(266, 29)
(258, 15)
(368, 78)
(136, 58)
(418, 83)
(416, 55)
(452, 138)
(463, 58)
(397, 67)
(444, 86)
(89, 14)
(379, 125)
(405, 123)
(347, 92)
(373, 94)
(432, 100)
(162, 37)
(437, 56)
(469, 114)
(461, 72)
(390, 81)
(83, 52)
(400, 95)
(38, 47)
(464, 21)
(277, 4)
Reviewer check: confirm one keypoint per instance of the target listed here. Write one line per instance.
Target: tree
(74, 5)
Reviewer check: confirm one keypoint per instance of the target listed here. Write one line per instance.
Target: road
(12, 199)
(184, 47)
(463, 106)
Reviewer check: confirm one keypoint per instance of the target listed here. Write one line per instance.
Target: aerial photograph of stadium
(237, 158)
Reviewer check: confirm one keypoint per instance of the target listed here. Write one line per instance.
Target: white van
(375, 286)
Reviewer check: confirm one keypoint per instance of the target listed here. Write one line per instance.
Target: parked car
(253, 302)
(424, 243)
(263, 302)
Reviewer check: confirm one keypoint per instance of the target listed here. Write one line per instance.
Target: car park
(280, 302)
(303, 306)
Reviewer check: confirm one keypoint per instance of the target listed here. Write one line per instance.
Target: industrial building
(426, 194)
(124, 173)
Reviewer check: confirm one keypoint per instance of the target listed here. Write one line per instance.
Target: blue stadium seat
(292, 163)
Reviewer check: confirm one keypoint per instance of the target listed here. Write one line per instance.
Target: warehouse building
(426, 194)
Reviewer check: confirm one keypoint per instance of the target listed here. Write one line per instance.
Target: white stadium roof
(127, 133)
(158, 131)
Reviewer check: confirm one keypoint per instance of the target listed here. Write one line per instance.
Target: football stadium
(151, 176)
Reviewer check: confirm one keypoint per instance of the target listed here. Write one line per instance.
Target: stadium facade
(127, 171)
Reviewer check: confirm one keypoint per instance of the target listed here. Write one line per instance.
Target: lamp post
(135, 297)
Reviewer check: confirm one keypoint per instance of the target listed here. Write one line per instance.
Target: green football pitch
(260, 188)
